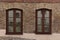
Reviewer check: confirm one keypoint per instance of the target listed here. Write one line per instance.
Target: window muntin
(43, 21)
(14, 21)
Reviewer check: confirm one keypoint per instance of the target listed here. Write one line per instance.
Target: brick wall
(29, 14)
(53, 1)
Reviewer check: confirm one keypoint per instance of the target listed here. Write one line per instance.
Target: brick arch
(14, 9)
(44, 9)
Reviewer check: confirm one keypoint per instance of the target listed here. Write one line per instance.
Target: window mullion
(14, 21)
(43, 17)
(50, 20)
(7, 21)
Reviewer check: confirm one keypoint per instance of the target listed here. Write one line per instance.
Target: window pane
(10, 25)
(10, 29)
(18, 28)
(10, 13)
(18, 25)
(47, 29)
(18, 21)
(47, 14)
(39, 28)
(39, 21)
(46, 25)
(18, 14)
(46, 21)
(10, 21)
(39, 14)
(39, 25)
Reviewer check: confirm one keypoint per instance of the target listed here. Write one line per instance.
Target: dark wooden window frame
(44, 9)
(14, 9)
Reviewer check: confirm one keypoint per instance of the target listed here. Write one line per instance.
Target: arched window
(43, 21)
(14, 24)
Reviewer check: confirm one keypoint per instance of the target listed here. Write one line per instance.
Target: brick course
(40, 1)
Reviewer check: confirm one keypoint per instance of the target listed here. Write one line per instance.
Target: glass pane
(10, 26)
(10, 29)
(39, 14)
(18, 14)
(46, 29)
(39, 28)
(10, 13)
(46, 22)
(39, 21)
(10, 21)
(47, 14)
(18, 27)
(18, 21)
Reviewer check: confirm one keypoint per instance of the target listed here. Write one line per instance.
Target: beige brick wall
(29, 14)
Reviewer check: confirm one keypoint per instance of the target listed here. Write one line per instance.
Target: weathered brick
(42, 1)
(19, 0)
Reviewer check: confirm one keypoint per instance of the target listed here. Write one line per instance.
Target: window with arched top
(43, 21)
(14, 24)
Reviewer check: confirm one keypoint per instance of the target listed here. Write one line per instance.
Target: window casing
(43, 21)
(14, 21)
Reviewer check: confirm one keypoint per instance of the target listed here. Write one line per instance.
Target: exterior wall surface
(35, 1)
(29, 15)
(31, 36)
